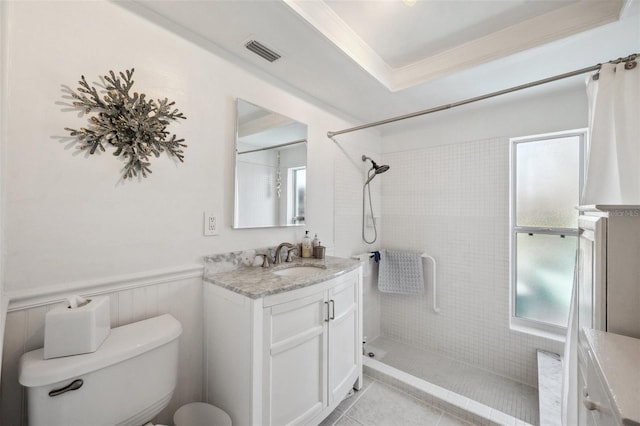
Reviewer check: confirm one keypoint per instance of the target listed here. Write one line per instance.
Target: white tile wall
(451, 202)
(181, 298)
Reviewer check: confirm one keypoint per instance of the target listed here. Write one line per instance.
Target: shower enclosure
(452, 202)
(449, 197)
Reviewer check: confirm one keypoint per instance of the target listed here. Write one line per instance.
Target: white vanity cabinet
(609, 269)
(286, 358)
(608, 379)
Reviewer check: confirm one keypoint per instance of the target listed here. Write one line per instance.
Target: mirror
(271, 168)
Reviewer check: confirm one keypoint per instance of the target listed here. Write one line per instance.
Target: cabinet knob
(590, 405)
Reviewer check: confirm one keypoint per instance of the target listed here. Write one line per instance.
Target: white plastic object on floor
(201, 414)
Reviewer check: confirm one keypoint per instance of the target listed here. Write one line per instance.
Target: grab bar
(436, 309)
(435, 303)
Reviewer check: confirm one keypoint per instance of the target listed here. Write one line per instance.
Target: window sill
(522, 327)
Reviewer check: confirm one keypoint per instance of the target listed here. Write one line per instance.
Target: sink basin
(298, 271)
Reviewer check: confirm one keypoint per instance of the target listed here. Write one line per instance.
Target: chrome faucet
(290, 254)
(278, 258)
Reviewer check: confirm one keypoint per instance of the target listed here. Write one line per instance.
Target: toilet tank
(127, 381)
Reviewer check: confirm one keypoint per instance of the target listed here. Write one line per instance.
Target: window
(298, 179)
(546, 182)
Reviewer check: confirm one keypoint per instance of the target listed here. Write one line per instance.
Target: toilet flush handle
(75, 385)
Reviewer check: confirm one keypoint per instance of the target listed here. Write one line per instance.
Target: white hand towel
(400, 272)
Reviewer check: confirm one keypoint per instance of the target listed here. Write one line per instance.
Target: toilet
(126, 382)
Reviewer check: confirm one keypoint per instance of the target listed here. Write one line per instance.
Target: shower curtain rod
(274, 146)
(630, 60)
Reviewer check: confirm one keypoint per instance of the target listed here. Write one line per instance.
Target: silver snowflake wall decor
(134, 125)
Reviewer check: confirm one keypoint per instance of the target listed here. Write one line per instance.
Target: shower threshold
(478, 396)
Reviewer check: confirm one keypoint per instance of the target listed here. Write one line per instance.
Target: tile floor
(378, 404)
(500, 393)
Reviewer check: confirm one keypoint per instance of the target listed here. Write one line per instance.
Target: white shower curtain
(612, 177)
(613, 152)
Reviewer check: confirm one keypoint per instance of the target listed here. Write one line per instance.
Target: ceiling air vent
(262, 50)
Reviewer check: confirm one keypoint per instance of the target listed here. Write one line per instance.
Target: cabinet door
(344, 340)
(584, 416)
(594, 400)
(295, 366)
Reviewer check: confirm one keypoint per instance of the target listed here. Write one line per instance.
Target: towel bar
(436, 309)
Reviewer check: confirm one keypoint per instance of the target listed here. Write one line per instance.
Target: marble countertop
(256, 282)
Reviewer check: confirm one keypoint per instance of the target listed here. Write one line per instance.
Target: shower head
(380, 169)
(375, 168)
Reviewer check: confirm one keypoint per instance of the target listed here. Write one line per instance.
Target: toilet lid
(201, 414)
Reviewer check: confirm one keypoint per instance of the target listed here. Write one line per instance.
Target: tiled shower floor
(513, 398)
(378, 404)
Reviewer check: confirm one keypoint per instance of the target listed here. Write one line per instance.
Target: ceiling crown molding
(576, 17)
(329, 24)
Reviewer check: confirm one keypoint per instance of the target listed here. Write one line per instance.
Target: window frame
(526, 325)
(293, 193)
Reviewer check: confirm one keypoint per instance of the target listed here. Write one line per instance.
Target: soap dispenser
(306, 245)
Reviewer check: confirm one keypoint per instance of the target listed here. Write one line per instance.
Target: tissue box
(73, 331)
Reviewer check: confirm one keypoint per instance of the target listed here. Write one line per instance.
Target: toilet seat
(201, 414)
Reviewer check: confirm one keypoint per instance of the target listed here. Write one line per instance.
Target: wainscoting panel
(178, 294)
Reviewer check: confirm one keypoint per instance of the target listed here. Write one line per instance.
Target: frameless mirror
(271, 168)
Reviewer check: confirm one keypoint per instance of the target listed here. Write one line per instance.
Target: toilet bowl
(127, 381)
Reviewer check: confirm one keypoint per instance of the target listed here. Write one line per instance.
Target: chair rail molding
(40, 296)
